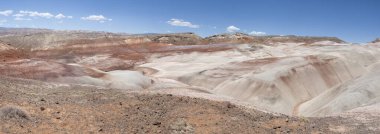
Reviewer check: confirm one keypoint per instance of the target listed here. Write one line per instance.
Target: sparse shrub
(181, 126)
(13, 112)
(304, 119)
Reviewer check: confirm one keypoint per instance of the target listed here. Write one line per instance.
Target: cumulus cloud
(61, 16)
(6, 12)
(19, 15)
(23, 15)
(27, 15)
(37, 14)
(232, 29)
(181, 23)
(99, 18)
(257, 33)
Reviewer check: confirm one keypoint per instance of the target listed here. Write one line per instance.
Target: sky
(355, 21)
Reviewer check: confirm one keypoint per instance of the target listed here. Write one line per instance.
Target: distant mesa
(376, 41)
(174, 38)
(245, 38)
(28, 38)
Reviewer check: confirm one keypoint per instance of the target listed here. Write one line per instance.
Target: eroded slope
(61, 108)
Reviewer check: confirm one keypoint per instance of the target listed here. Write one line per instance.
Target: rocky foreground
(37, 107)
(82, 81)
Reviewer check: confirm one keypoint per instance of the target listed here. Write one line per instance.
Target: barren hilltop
(101, 82)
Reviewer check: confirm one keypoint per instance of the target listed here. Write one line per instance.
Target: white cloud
(257, 33)
(37, 14)
(232, 29)
(60, 16)
(2, 22)
(99, 18)
(21, 19)
(6, 12)
(34, 14)
(19, 15)
(181, 23)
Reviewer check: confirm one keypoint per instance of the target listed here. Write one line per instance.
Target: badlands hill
(64, 81)
(44, 38)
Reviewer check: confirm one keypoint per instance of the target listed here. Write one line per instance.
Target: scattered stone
(229, 105)
(157, 123)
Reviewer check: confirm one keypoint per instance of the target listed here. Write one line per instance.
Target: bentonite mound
(82, 81)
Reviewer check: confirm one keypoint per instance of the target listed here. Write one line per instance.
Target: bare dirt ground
(61, 108)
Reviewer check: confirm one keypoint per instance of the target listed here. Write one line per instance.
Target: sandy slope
(360, 92)
(276, 78)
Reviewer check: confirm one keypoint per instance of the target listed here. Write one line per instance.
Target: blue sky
(351, 20)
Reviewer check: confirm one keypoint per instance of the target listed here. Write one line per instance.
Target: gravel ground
(38, 107)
